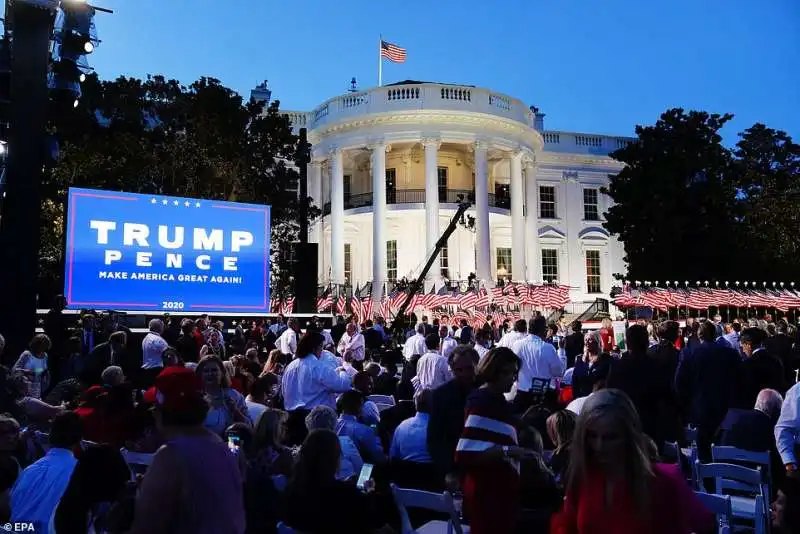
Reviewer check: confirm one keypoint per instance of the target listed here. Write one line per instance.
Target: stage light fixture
(75, 103)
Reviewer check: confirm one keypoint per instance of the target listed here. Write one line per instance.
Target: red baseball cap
(175, 389)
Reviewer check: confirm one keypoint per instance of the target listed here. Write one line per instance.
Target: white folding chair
(436, 502)
(749, 459)
(683, 457)
(720, 505)
(382, 399)
(729, 477)
(286, 529)
(138, 462)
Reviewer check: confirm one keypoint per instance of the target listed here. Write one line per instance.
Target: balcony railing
(417, 196)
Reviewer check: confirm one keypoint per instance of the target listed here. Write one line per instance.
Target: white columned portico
(531, 220)
(431, 147)
(337, 216)
(379, 268)
(517, 218)
(484, 264)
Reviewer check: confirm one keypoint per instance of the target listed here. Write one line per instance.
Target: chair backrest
(382, 399)
(730, 477)
(720, 505)
(286, 529)
(436, 502)
(381, 406)
(138, 462)
(748, 458)
(690, 434)
(683, 457)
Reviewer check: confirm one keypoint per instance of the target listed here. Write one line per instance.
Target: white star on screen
(164, 202)
(186, 203)
(175, 202)
(153, 201)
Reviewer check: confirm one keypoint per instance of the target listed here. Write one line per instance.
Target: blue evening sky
(599, 67)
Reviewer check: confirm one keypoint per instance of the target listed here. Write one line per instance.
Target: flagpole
(380, 61)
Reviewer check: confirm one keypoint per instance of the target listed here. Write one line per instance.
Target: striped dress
(491, 489)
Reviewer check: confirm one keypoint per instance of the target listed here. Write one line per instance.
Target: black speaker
(305, 277)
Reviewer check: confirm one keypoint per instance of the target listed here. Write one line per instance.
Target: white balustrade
(423, 96)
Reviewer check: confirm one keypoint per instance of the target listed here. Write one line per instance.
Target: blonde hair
(637, 465)
(269, 428)
(561, 428)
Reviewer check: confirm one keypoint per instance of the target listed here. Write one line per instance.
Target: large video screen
(129, 251)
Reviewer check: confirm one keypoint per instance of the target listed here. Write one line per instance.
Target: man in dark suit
(467, 335)
(761, 369)
(573, 344)
(753, 430)
(112, 352)
(706, 382)
(780, 345)
(447, 408)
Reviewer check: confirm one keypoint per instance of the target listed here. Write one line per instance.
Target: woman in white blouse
(226, 405)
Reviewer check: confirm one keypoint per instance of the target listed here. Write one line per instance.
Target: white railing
(420, 96)
(299, 119)
(579, 143)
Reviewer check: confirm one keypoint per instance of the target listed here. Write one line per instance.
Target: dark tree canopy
(688, 208)
(157, 136)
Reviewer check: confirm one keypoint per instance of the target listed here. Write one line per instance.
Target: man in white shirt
(287, 342)
(539, 359)
(510, 338)
(432, 369)
(448, 342)
(351, 346)
(307, 382)
(482, 342)
(416, 343)
(787, 430)
(153, 346)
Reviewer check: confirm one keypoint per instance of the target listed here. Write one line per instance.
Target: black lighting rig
(42, 63)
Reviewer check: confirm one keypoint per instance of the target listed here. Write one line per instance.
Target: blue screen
(156, 253)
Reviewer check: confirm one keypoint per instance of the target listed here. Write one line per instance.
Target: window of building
(444, 263)
(391, 186)
(441, 174)
(391, 260)
(346, 185)
(593, 271)
(590, 205)
(502, 196)
(549, 264)
(504, 263)
(547, 202)
(347, 265)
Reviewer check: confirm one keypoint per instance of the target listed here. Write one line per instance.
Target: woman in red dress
(487, 452)
(614, 487)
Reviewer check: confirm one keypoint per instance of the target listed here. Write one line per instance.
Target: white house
(389, 163)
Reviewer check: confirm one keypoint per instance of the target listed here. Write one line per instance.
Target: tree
(674, 200)
(767, 173)
(157, 136)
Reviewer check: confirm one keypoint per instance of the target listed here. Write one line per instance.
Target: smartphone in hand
(366, 474)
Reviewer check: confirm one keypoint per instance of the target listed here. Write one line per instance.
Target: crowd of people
(532, 427)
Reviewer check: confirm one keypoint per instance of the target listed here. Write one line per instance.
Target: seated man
(752, 430)
(410, 440)
(364, 437)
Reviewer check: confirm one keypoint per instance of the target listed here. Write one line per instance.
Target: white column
(337, 216)
(517, 218)
(431, 202)
(378, 220)
(484, 266)
(531, 221)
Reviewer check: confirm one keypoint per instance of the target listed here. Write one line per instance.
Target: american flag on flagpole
(392, 52)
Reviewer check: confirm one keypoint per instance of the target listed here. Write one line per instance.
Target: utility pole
(30, 29)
